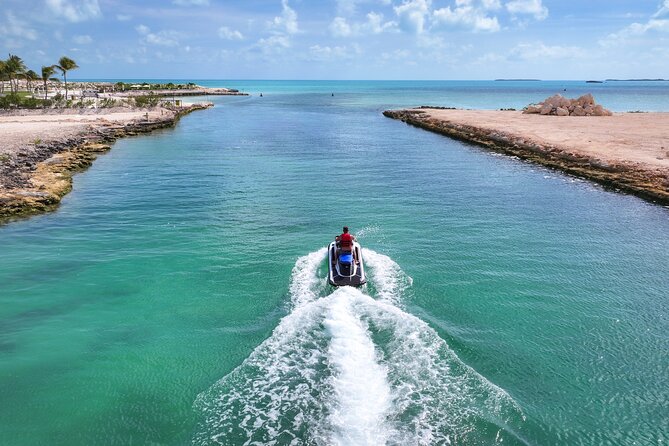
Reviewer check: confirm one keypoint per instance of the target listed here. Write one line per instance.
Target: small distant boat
(345, 268)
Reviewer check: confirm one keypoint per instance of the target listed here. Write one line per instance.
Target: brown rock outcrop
(556, 105)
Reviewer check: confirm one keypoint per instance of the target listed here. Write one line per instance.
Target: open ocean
(178, 295)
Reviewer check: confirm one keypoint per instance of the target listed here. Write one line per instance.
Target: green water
(178, 294)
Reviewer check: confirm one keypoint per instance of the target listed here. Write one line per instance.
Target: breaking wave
(351, 367)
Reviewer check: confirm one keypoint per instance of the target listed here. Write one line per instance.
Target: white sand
(19, 132)
(641, 138)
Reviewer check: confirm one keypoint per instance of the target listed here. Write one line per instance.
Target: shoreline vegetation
(50, 130)
(627, 152)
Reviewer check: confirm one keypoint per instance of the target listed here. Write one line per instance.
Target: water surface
(178, 294)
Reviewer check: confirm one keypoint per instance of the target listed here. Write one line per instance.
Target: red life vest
(346, 241)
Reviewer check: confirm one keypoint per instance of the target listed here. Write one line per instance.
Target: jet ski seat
(346, 258)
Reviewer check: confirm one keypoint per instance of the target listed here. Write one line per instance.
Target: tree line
(14, 69)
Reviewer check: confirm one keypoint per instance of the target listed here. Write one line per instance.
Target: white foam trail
(362, 393)
(347, 369)
(430, 382)
(304, 281)
(387, 276)
(277, 391)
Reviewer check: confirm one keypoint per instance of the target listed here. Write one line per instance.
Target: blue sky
(342, 39)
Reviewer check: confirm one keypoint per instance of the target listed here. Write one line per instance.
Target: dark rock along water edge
(645, 184)
(52, 166)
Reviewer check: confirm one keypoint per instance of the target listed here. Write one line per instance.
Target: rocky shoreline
(201, 91)
(34, 181)
(629, 177)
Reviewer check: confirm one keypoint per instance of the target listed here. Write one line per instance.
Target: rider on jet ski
(345, 242)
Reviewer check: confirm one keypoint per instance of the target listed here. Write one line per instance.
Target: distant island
(594, 82)
(637, 80)
(517, 80)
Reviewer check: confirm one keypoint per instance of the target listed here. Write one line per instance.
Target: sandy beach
(629, 151)
(20, 130)
(41, 150)
(641, 138)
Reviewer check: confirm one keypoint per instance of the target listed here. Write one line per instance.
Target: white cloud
(350, 7)
(340, 27)
(75, 10)
(328, 53)
(664, 9)
(161, 38)
(274, 44)
(191, 2)
(346, 7)
(17, 28)
(142, 29)
(230, 34)
(529, 7)
(635, 30)
(374, 25)
(412, 15)
(82, 40)
(540, 51)
(464, 14)
(492, 5)
(123, 17)
(282, 28)
(287, 21)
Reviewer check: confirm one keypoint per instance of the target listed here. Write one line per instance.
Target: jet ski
(342, 269)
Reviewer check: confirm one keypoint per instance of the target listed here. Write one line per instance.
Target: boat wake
(351, 367)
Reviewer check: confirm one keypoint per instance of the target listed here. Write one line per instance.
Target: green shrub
(10, 100)
(107, 103)
(14, 100)
(32, 103)
(147, 100)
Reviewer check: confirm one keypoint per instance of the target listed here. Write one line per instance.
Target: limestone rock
(578, 111)
(558, 105)
(554, 101)
(586, 99)
(532, 109)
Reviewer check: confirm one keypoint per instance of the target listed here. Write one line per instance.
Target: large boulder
(578, 111)
(561, 111)
(546, 109)
(554, 101)
(532, 109)
(586, 99)
(557, 105)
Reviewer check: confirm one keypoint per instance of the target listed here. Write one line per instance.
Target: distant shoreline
(628, 152)
(637, 80)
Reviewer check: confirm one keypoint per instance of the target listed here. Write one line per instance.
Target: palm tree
(47, 72)
(3, 75)
(14, 67)
(30, 77)
(66, 64)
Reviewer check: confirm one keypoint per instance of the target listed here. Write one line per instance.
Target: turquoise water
(178, 295)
